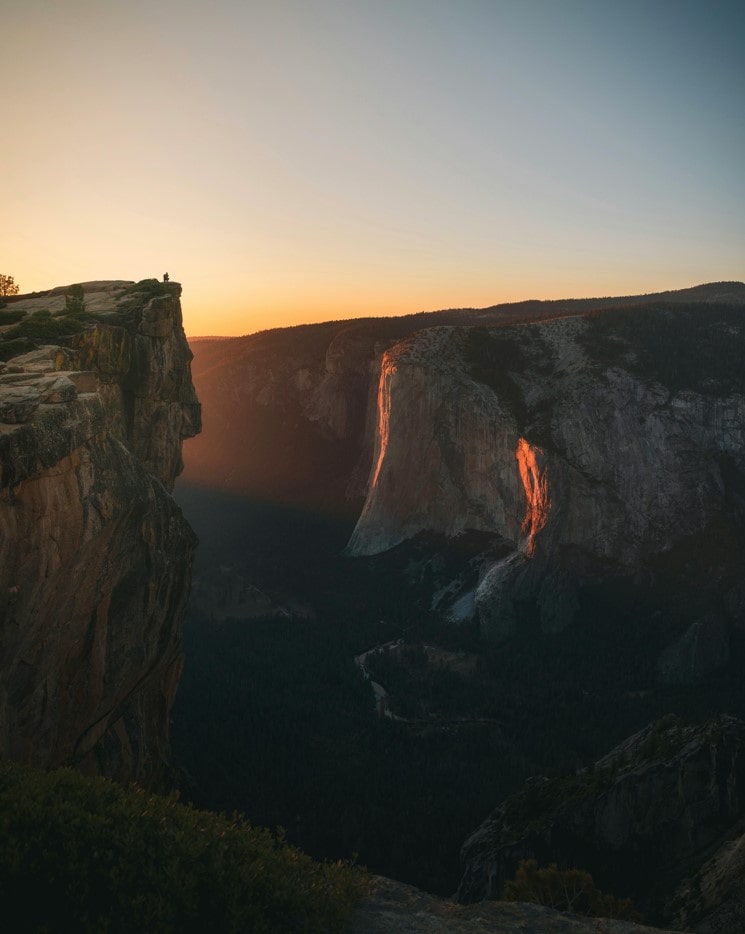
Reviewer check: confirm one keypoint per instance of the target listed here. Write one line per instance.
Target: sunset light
(372, 466)
(534, 479)
(293, 161)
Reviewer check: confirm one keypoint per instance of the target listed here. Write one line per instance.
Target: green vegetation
(149, 287)
(14, 347)
(566, 890)
(84, 854)
(493, 357)
(8, 286)
(272, 716)
(133, 298)
(11, 315)
(74, 301)
(698, 347)
(42, 327)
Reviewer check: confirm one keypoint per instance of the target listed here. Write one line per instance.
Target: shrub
(39, 328)
(150, 287)
(691, 346)
(134, 298)
(74, 302)
(11, 316)
(42, 328)
(15, 347)
(116, 860)
(566, 890)
(492, 358)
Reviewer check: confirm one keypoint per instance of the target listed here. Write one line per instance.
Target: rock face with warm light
(95, 556)
(598, 439)
(594, 445)
(444, 451)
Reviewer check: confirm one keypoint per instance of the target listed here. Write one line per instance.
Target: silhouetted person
(165, 277)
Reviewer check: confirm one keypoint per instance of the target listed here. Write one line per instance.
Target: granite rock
(95, 556)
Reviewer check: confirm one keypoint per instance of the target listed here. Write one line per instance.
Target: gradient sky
(301, 160)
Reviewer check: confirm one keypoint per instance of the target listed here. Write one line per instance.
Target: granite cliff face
(592, 439)
(595, 446)
(643, 820)
(95, 556)
(445, 446)
(293, 411)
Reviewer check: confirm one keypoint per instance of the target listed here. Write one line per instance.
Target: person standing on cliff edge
(165, 277)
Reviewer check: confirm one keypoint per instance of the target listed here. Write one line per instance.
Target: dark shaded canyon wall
(287, 412)
(95, 556)
(642, 819)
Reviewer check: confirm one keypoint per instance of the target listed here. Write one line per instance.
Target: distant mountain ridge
(583, 432)
(319, 382)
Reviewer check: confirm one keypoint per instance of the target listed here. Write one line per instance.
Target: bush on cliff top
(11, 315)
(150, 286)
(133, 298)
(46, 329)
(15, 347)
(566, 890)
(84, 854)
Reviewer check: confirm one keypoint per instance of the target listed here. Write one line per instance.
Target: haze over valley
(372, 466)
(534, 512)
(495, 544)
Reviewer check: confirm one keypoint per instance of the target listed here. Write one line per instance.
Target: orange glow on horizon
(350, 183)
(235, 309)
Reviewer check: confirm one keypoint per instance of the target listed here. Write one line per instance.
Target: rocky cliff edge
(95, 556)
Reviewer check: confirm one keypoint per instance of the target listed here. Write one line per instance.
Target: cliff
(596, 446)
(595, 440)
(641, 820)
(95, 556)
(287, 413)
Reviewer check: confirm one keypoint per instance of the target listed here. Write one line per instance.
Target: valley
(538, 611)
(468, 589)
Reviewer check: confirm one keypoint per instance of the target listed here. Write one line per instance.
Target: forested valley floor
(274, 718)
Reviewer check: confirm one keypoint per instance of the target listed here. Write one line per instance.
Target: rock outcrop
(594, 445)
(444, 452)
(641, 820)
(95, 556)
(394, 908)
(712, 901)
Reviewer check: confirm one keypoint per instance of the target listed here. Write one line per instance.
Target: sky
(291, 161)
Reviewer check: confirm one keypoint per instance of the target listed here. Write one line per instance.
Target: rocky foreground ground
(394, 908)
